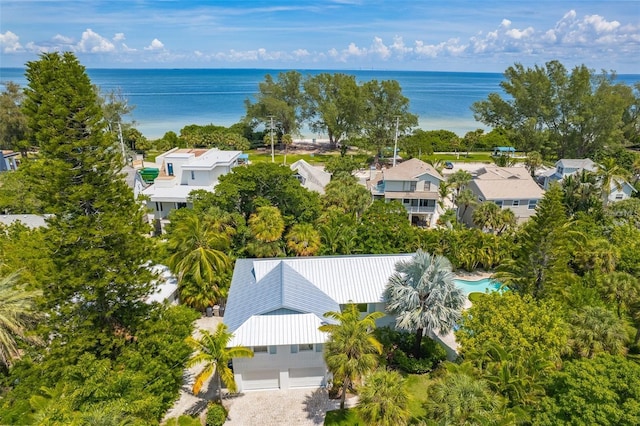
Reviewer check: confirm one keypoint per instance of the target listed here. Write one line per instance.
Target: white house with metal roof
(413, 183)
(275, 307)
(183, 171)
(509, 187)
(311, 177)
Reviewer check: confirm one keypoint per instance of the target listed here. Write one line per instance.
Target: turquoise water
(480, 286)
(169, 99)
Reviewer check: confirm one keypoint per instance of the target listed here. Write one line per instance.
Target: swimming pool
(482, 286)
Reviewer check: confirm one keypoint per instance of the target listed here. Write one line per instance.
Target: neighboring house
(166, 286)
(413, 183)
(509, 187)
(311, 177)
(182, 171)
(28, 220)
(275, 307)
(619, 190)
(9, 161)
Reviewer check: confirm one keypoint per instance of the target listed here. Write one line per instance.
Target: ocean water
(169, 99)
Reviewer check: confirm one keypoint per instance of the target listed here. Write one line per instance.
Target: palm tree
(487, 216)
(595, 330)
(213, 350)
(465, 199)
(610, 175)
(199, 256)
(351, 350)
(622, 289)
(303, 239)
(384, 400)
(267, 226)
(422, 294)
(17, 315)
(532, 162)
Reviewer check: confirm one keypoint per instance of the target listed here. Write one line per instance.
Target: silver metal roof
(286, 329)
(290, 287)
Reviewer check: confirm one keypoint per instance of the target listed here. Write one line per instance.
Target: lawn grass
(416, 386)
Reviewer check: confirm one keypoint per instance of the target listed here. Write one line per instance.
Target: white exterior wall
(279, 365)
(624, 193)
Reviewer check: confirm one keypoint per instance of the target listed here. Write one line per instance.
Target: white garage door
(258, 380)
(306, 377)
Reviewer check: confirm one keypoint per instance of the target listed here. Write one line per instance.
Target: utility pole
(273, 157)
(395, 145)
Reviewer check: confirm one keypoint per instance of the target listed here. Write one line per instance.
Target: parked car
(448, 165)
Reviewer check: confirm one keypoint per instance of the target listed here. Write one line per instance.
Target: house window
(560, 170)
(619, 196)
(157, 207)
(170, 169)
(516, 203)
(193, 175)
(499, 203)
(181, 205)
(300, 178)
(427, 186)
(362, 307)
(260, 349)
(532, 204)
(414, 203)
(319, 347)
(305, 347)
(273, 350)
(405, 201)
(412, 186)
(294, 349)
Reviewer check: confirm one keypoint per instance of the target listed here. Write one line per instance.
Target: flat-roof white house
(275, 307)
(413, 183)
(182, 170)
(619, 190)
(509, 187)
(311, 177)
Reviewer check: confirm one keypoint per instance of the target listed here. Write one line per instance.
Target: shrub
(397, 344)
(216, 414)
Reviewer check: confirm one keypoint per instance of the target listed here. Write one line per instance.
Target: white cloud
(600, 24)
(517, 34)
(119, 37)
(155, 45)
(59, 38)
(92, 42)
(301, 53)
(10, 42)
(380, 49)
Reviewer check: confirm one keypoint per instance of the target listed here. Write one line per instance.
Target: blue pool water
(482, 286)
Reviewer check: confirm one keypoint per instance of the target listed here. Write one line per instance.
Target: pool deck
(472, 276)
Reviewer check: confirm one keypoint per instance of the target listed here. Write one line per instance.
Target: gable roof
(294, 287)
(577, 163)
(411, 170)
(315, 178)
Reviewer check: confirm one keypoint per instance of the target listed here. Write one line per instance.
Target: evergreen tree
(542, 254)
(96, 237)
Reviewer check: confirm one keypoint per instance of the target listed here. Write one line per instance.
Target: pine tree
(96, 237)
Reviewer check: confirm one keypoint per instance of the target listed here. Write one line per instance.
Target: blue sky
(430, 35)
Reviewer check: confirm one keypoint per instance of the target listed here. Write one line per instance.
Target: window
(405, 201)
(294, 349)
(259, 349)
(619, 196)
(499, 203)
(193, 175)
(412, 186)
(305, 347)
(273, 350)
(516, 203)
(157, 207)
(427, 186)
(318, 347)
(170, 169)
(532, 204)
(300, 178)
(181, 205)
(362, 307)
(414, 203)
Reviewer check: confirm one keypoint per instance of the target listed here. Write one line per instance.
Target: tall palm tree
(351, 350)
(487, 216)
(464, 200)
(532, 162)
(199, 256)
(303, 239)
(213, 350)
(17, 315)
(595, 330)
(422, 294)
(384, 399)
(267, 224)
